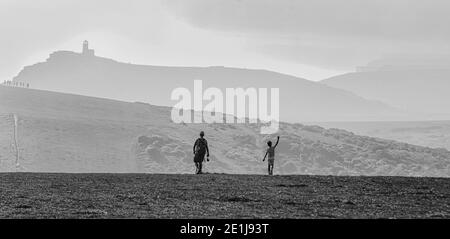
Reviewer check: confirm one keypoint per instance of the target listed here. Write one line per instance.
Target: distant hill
(300, 100)
(70, 133)
(424, 91)
(434, 134)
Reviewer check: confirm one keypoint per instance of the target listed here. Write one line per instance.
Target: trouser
(198, 160)
(270, 166)
(198, 166)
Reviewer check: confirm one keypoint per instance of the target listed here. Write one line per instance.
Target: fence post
(16, 143)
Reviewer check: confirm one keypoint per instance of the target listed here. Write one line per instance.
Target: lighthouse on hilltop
(86, 51)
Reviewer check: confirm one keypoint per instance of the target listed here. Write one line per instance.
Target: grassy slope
(77, 134)
(25, 195)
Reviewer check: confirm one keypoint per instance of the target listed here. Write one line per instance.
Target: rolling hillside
(424, 91)
(70, 133)
(433, 134)
(300, 100)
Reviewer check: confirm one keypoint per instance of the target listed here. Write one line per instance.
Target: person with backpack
(200, 149)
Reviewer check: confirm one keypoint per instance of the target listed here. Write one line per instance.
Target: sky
(312, 39)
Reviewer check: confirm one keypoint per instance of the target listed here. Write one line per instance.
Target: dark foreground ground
(27, 195)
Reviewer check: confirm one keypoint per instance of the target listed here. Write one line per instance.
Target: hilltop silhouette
(418, 84)
(300, 99)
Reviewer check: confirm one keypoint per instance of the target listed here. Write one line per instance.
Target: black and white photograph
(252, 110)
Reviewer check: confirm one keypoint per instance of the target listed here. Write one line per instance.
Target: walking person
(271, 152)
(200, 149)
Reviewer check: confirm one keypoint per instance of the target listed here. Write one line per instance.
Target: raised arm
(278, 139)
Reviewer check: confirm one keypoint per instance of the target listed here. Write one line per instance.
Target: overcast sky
(313, 39)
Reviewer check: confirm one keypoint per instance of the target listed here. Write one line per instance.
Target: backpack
(201, 145)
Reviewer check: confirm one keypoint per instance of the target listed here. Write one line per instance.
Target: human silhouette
(200, 149)
(271, 152)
